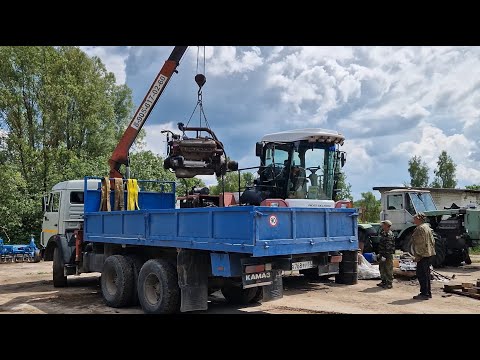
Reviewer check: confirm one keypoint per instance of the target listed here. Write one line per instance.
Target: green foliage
(369, 206)
(475, 251)
(147, 165)
(445, 172)
(231, 182)
(185, 185)
(473, 187)
(345, 188)
(61, 115)
(418, 172)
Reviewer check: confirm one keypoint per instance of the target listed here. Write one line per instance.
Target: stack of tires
(348, 268)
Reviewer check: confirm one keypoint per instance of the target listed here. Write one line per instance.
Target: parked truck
(169, 258)
(455, 229)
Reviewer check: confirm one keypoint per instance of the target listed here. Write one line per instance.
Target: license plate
(302, 265)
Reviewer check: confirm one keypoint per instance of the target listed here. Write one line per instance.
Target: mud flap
(275, 290)
(193, 267)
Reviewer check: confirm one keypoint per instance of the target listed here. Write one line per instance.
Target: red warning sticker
(272, 219)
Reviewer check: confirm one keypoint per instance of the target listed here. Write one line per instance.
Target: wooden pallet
(464, 289)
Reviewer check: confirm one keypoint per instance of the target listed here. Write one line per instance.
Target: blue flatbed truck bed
(175, 257)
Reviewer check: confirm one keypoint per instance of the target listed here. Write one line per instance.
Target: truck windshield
(422, 202)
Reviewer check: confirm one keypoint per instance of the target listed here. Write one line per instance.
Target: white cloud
(113, 58)
(429, 141)
(390, 102)
(226, 60)
(155, 141)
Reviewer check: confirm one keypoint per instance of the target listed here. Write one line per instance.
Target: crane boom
(120, 154)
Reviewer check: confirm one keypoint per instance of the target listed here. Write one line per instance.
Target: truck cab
(400, 205)
(62, 213)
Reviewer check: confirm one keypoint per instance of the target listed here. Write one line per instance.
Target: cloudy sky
(391, 103)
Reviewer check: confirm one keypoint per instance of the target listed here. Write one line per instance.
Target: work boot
(381, 284)
(421, 297)
(388, 286)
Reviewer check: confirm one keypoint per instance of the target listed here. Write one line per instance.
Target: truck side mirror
(258, 149)
(343, 158)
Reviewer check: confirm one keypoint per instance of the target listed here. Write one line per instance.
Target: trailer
(169, 259)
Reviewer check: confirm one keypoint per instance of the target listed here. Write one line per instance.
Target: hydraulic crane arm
(120, 154)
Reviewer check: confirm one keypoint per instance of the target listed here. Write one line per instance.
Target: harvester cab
(300, 167)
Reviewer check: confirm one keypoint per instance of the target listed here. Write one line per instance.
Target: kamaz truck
(169, 258)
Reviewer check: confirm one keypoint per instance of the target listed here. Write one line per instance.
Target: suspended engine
(189, 157)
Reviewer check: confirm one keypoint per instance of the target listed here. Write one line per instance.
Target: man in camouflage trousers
(386, 249)
(423, 248)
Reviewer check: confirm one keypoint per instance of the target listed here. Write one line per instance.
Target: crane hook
(200, 79)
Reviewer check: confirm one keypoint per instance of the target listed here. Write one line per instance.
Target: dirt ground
(27, 288)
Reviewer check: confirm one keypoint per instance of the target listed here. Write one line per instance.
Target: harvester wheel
(406, 242)
(59, 279)
(117, 281)
(440, 251)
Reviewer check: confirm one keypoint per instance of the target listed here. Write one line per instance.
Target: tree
(473, 187)
(186, 185)
(369, 206)
(445, 172)
(61, 114)
(344, 187)
(231, 182)
(418, 172)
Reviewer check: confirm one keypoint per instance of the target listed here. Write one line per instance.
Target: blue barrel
(368, 257)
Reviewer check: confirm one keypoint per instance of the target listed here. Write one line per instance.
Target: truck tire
(440, 251)
(158, 290)
(258, 296)
(239, 296)
(59, 279)
(310, 274)
(117, 281)
(348, 269)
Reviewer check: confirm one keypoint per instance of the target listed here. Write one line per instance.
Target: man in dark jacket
(386, 249)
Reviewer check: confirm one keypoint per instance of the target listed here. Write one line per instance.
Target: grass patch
(475, 250)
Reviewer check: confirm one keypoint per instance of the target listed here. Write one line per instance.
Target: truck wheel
(237, 295)
(440, 251)
(59, 279)
(258, 296)
(117, 281)
(158, 290)
(310, 274)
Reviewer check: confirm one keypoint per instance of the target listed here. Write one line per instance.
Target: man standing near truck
(423, 248)
(386, 249)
